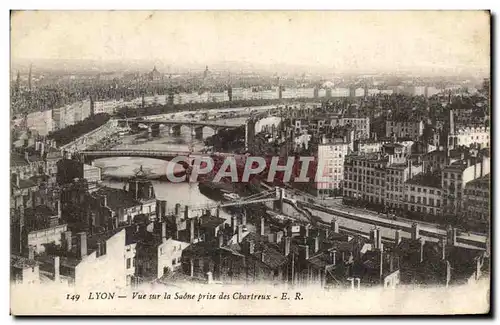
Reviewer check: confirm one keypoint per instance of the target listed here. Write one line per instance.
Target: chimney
(422, 244)
(397, 237)
(443, 248)
(58, 203)
(316, 244)
(303, 253)
(31, 252)
(415, 229)
(67, 240)
(381, 261)
(262, 226)
(451, 236)
(478, 267)
(251, 247)
(244, 217)
(210, 278)
(186, 212)
(191, 230)
(233, 224)
(82, 244)
(239, 235)
(104, 200)
(178, 210)
(373, 237)
(56, 268)
(335, 225)
(286, 245)
(333, 257)
(164, 231)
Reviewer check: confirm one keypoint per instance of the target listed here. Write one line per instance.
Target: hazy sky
(343, 41)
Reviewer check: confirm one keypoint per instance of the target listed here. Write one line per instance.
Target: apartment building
(456, 176)
(331, 156)
(467, 136)
(404, 129)
(477, 199)
(377, 178)
(423, 194)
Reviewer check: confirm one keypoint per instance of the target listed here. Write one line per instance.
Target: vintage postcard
(250, 162)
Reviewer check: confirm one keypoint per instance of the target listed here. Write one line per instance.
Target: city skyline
(454, 42)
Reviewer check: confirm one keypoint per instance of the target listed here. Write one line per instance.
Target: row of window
(423, 190)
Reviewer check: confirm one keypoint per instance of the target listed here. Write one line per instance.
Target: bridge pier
(175, 130)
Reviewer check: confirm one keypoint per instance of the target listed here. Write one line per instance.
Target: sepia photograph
(284, 163)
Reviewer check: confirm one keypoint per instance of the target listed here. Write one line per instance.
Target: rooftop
(484, 180)
(426, 179)
(117, 198)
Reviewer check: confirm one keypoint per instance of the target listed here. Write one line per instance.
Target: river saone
(115, 171)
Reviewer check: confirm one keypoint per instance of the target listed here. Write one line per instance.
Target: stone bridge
(174, 126)
(88, 156)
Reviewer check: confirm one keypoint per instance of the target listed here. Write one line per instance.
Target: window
(133, 262)
(174, 261)
(128, 263)
(431, 191)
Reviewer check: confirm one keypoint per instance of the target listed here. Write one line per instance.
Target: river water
(116, 170)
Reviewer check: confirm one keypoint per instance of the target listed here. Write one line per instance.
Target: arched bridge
(90, 155)
(174, 126)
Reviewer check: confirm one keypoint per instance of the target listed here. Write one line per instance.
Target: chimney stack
(31, 252)
(239, 235)
(335, 225)
(178, 210)
(381, 261)
(68, 240)
(210, 278)
(397, 237)
(422, 244)
(56, 269)
(104, 200)
(443, 248)
(451, 236)
(287, 242)
(191, 230)
(415, 231)
(251, 247)
(82, 244)
(164, 231)
(233, 224)
(244, 217)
